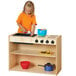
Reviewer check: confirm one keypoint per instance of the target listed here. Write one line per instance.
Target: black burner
(21, 34)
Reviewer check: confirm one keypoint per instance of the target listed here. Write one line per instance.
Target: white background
(57, 16)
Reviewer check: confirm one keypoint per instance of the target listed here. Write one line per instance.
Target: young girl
(26, 20)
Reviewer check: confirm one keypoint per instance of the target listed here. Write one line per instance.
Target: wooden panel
(12, 61)
(58, 55)
(37, 47)
(12, 46)
(21, 39)
(12, 58)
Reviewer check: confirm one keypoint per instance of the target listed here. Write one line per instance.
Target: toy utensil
(24, 32)
(48, 67)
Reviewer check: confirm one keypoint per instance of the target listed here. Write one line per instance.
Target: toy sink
(23, 34)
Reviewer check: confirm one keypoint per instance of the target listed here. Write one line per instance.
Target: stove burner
(21, 34)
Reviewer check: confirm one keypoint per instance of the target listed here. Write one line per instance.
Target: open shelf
(32, 52)
(35, 69)
(34, 62)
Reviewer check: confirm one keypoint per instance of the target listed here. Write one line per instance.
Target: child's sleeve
(34, 20)
(19, 19)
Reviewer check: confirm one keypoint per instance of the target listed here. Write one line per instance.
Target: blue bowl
(42, 32)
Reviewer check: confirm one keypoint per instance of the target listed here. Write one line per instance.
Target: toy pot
(42, 32)
(25, 64)
(48, 67)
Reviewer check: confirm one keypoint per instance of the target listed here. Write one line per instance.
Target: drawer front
(21, 39)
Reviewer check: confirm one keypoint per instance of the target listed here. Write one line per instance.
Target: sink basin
(22, 34)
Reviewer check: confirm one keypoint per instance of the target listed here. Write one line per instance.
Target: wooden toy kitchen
(35, 53)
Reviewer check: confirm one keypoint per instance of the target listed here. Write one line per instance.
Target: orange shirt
(26, 21)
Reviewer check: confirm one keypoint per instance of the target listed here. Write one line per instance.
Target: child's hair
(32, 13)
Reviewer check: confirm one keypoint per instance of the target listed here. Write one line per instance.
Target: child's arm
(23, 29)
(33, 29)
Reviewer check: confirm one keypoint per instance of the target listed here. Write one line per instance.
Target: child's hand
(32, 33)
(32, 30)
(23, 29)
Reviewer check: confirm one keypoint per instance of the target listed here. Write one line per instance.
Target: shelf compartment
(34, 69)
(32, 52)
(35, 61)
(34, 49)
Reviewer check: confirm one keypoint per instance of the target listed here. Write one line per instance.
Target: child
(26, 20)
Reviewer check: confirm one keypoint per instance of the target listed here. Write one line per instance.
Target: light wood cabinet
(32, 52)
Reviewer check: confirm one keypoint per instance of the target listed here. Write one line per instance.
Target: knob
(52, 41)
(36, 40)
(47, 41)
(42, 41)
